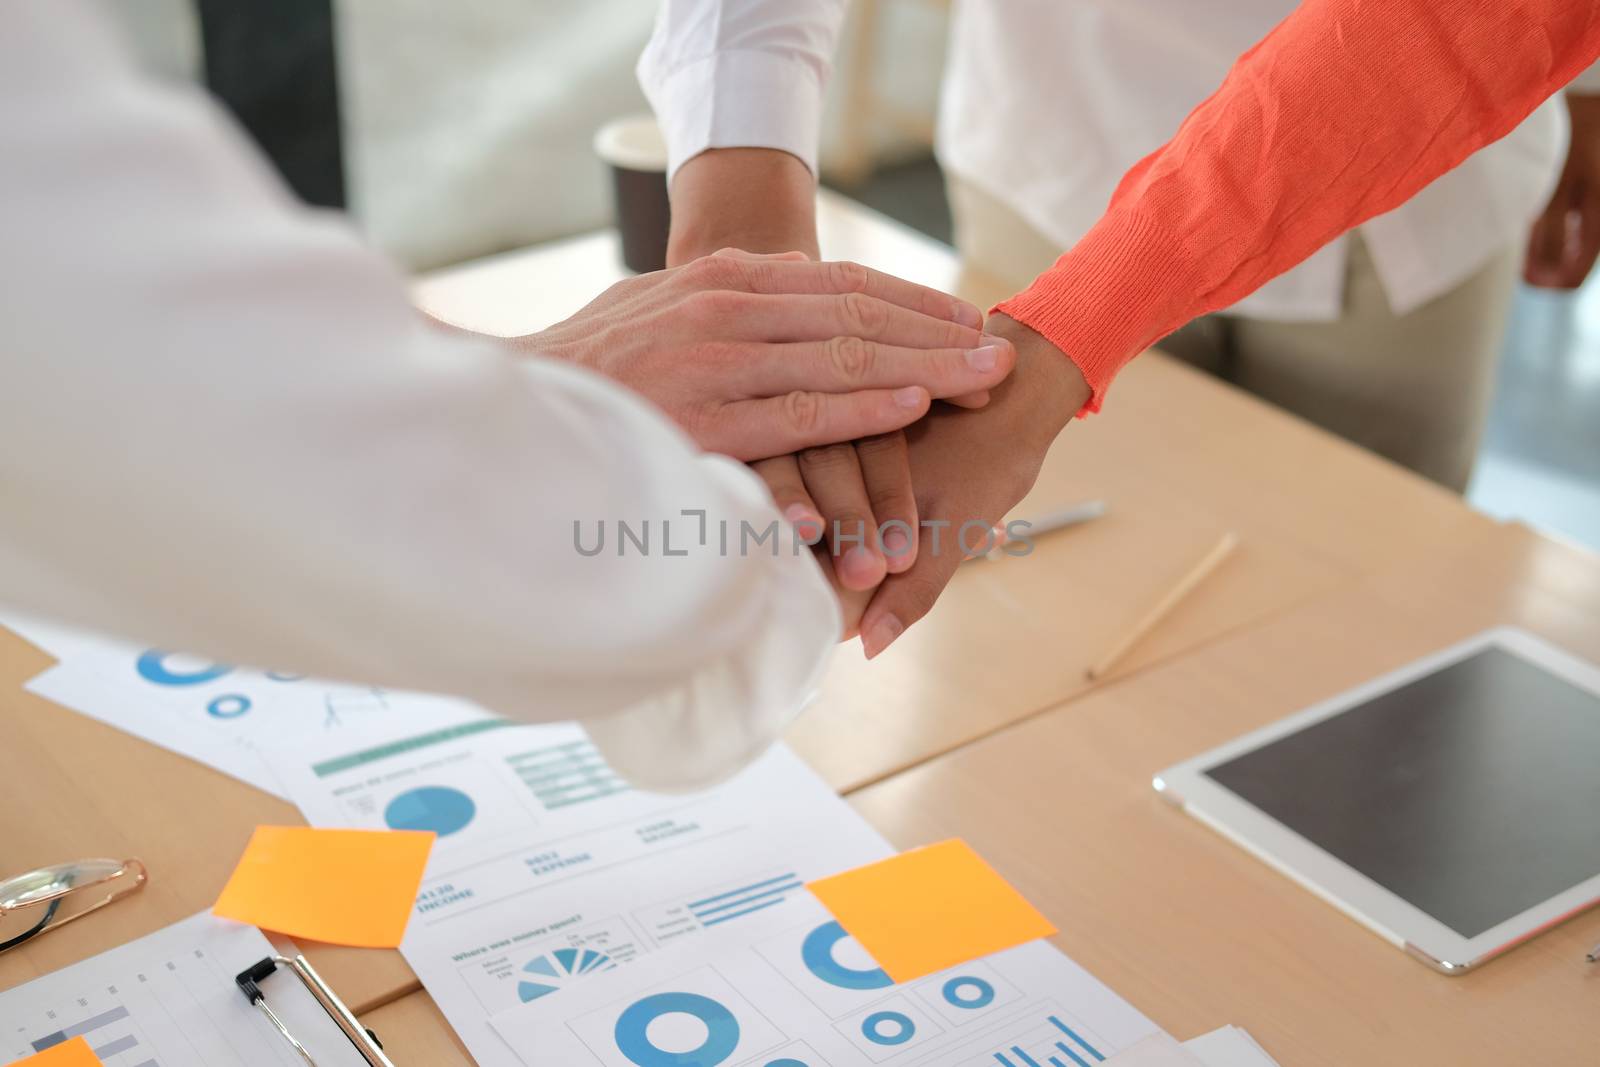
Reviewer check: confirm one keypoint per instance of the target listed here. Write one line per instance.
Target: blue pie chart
(817, 952)
(633, 1025)
(432, 807)
(152, 667)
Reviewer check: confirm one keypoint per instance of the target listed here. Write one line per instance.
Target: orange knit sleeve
(1343, 112)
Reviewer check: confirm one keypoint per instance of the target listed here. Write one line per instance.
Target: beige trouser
(1414, 387)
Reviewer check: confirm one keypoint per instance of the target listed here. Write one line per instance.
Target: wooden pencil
(1163, 607)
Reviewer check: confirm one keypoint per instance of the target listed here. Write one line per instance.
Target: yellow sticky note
(74, 1053)
(346, 887)
(928, 909)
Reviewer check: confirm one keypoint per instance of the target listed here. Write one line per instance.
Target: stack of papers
(1227, 1047)
(566, 918)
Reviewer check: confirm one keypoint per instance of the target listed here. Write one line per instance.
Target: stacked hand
(758, 356)
(934, 490)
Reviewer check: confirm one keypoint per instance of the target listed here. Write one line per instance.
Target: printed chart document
(1229, 1047)
(1160, 1050)
(798, 992)
(169, 1000)
(217, 713)
(550, 872)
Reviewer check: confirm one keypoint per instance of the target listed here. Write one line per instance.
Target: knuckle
(716, 305)
(705, 422)
(892, 499)
(916, 595)
(715, 272)
(893, 502)
(864, 315)
(802, 411)
(883, 445)
(825, 460)
(847, 277)
(782, 475)
(852, 358)
(697, 306)
(620, 290)
(758, 276)
(694, 272)
(785, 492)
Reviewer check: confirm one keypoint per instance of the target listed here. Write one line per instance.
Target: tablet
(1452, 806)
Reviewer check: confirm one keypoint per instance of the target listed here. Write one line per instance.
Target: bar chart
(169, 1000)
(566, 774)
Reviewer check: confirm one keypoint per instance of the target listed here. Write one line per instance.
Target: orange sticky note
(74, 1053)
(346, 887)
(928, 909)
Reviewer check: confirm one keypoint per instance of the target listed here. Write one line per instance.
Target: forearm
(737, 86)
(1344, 112)
(755, 199)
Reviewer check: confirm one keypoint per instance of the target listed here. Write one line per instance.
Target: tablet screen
(1472, 793)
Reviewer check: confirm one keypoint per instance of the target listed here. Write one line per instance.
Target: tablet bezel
(1398, 921)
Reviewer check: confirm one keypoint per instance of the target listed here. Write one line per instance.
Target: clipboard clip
(366, 1042)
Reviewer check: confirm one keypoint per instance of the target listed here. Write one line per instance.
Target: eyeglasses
(42, 900)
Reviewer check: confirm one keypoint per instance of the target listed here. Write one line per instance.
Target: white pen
(1087, 511)
(1594, 954)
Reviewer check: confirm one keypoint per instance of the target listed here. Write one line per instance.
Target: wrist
(1046, 389)
(755, 199)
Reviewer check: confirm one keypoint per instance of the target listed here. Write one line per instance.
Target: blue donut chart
(722, 1031)
(983, 992)
(872, 1028)
(230, 706)
(152, 667)
(817, 952)
(431, 807)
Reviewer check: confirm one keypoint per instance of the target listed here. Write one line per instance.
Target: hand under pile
(950, 478)
(934, 489)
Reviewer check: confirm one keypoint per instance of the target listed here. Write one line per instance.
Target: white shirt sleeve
(741, 74)
(224, 429)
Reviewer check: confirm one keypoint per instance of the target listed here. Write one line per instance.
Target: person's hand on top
(760, 356)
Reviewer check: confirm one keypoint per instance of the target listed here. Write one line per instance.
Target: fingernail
(983, 359)
(909, 397)
(807, 523)
(896, 544)
(881, 634)
(860, 563)
(967, 315)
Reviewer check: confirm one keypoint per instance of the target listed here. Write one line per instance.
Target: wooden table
(1178, 457)
(1192, 929)
(74, 787)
